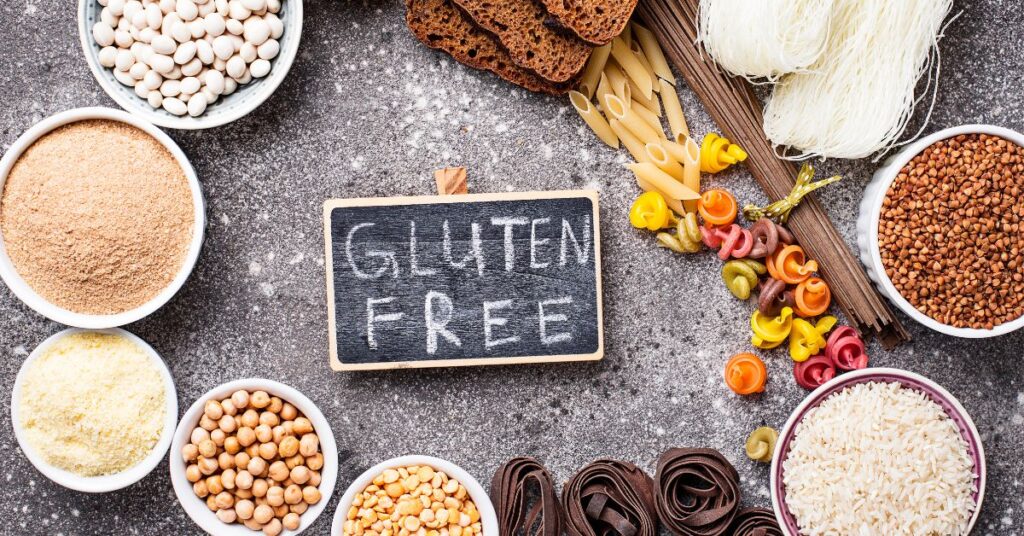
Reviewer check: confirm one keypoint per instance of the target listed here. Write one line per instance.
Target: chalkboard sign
(463, 280)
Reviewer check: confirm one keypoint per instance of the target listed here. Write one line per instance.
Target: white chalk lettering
(534, 243)
(510, 252)
(489, 321)
(582, 252)
(476, 250)
(414, 261)
(388, 256)
(372, 317)
(548, 340)
(436, 322)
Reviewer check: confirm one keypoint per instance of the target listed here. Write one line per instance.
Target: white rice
(878, 458)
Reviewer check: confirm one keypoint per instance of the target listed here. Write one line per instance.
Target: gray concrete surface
(367, 111)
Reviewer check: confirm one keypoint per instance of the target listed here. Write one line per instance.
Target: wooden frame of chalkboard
(407, 205)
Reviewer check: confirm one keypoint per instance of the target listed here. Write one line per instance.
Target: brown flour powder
(97, 217)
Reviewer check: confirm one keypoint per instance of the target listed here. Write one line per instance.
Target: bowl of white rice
(878, 451)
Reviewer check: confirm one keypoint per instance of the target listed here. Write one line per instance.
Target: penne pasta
(657, 155)
(629, 141)
(592, 72)
(618, 83)
(616, 108)
(691, 169)
(632, 67)
(652, 50)
(663, 182)
(653, 104)
(674, 204)
(648, 116)
(593, 118)
(673, 110)
(603, 88)
(627, 34)
(639, 53)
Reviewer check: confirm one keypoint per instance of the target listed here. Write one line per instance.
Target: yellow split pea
(413, 501)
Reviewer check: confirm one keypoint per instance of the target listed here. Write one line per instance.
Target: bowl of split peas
(253, 455)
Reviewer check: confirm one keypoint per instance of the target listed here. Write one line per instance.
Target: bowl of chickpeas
(253, 455)
(415, 495)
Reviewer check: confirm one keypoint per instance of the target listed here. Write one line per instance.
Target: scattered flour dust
(878, 458)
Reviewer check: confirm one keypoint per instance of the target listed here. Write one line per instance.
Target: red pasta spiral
(846, 349)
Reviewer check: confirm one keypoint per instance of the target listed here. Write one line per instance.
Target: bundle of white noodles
(858, 96)
(764, 38)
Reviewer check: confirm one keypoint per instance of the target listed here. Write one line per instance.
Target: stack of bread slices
(541, 45)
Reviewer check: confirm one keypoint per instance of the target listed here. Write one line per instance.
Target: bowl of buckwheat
(415, 495)
(940, 230)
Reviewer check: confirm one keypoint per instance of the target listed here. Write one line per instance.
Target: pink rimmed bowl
(907, 379)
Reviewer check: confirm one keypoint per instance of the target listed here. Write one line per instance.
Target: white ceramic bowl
(948, 402)
(98, 484)
(196, 507)
(227, 109)
(30, 297)
(870, 212)
(488, 518)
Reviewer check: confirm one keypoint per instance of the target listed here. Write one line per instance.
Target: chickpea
(211, 502)
(263, 514)
(275, 496)
(264, 433)
(251, 418)
(207, 465)
(293, 461)
(259, 399)
(289, 428)
(227, 423)
(240, 398)
(225, 461)
(269, 419)
(251, 524)
(229, 407)
(276, 404)
(218, 437)
(279, 433)
(273, 528)
(281, 511)
(315, 462)
(245, 436)
(227, 516)
(311, 495)
(243, 493)
(257, 466)
(253, 450)
(207, 448)
(243, 480)
(189, 453)
(278, 471)
(242, 460)
(227, 478)
(192, 473)
(299, 474)
(291, 521)
(302, 426)
(292, 494)
(231, 445)
(199, 435)
(225, 500)
(314, 479)
(244, 509)
(260, 488)
(298, 508)
(268, 451)
(288, 412)
(308, 444)
(199, 488)
(213, 410)
(214, 484)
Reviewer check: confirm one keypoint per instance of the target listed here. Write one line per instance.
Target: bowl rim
(488, 516)
(41, 305)
(135, 105)
(883, 179)
(196, 507)
(105, 483)
(880, 374)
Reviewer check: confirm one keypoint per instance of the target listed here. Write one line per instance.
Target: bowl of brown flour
(101, 218)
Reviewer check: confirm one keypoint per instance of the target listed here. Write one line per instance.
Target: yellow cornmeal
(93, 404)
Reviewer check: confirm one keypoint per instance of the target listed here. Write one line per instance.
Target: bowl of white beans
(190, 64)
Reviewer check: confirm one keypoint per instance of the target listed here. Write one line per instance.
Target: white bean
(167, 6)
(131, 7)
(175, 73)
(214, 24)
(139, 20)
(170, 20)
(207, 8)
(196, 105)
(248, 52)
(204, 51)
(269, 50)
(237, 11)
(175, 106)
(234, 26)
(147, 35)
(103, 34)
(274, 6)
(220, 65)
(139, 70)
(152, 79)
(223, 47)
(185, 52)
(163, 44)
(208, 95)
(108, 17)
(124, 78)
(256, 30)
(116, 7)
(215, 82)
(141, 90)
(197, 28)
(223, 7)
(192, 68)
(154, 16)
(161, 63)
(155, 99)
(187, 10)
(229, 86)
(123, 23)
(143, 52)
(254, 5)
(236, 67)
(123, 38)
(180, 32)
(276, 26)
(260, 68)
(170, 88)
(108, 56)
(244, 79)
(190, 85)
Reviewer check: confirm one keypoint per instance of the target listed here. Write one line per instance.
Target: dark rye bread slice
(439, 24)
(595, 21)
(519, 25)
